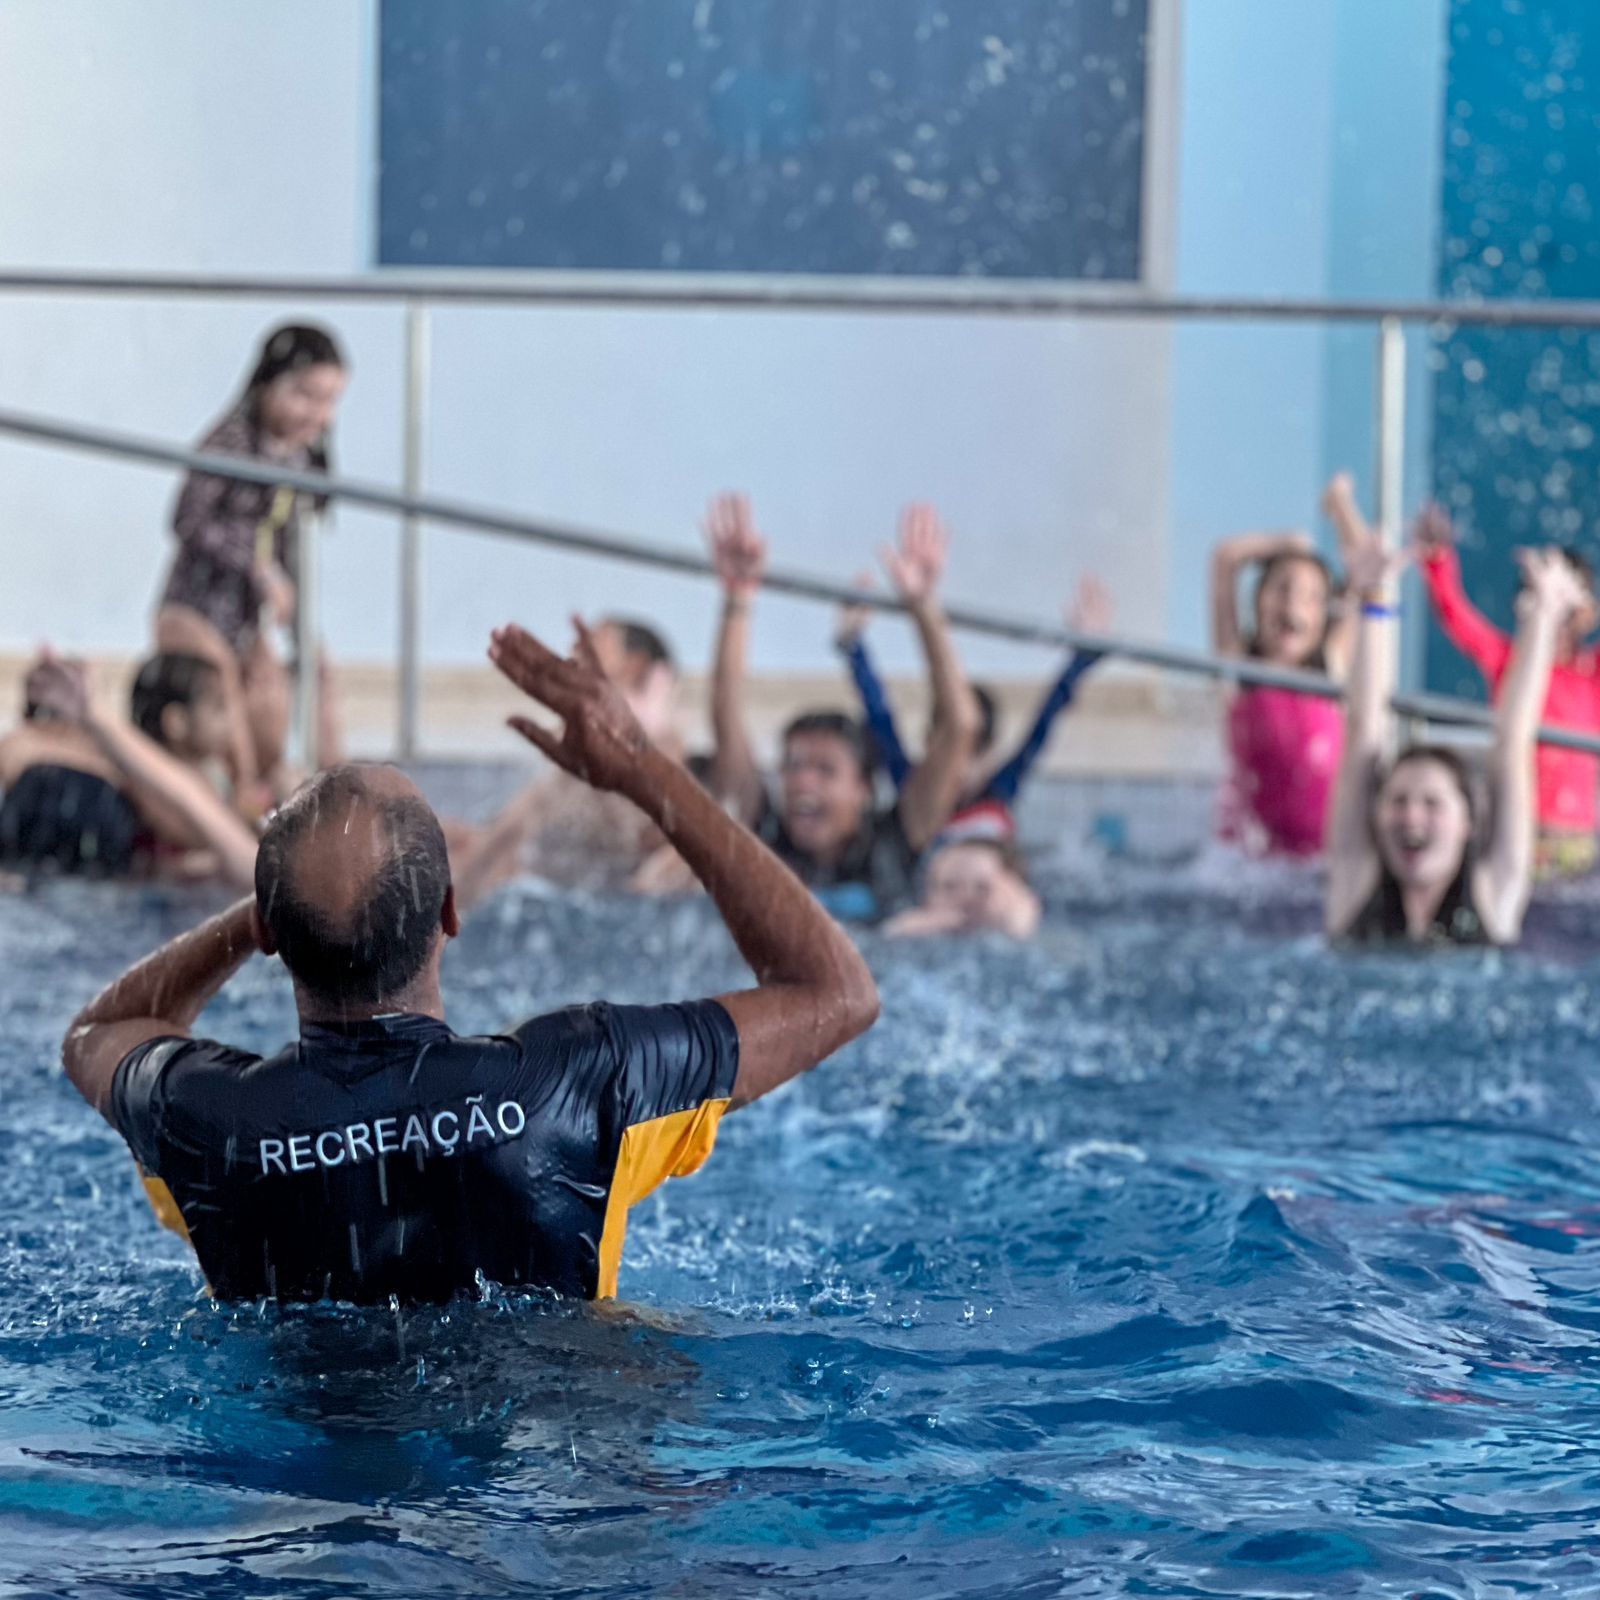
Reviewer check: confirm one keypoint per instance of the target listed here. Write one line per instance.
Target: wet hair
(292, 348)
(386, 941)
(169, 679)
(988, 716)
(837, 725)
(640, 639)
(1281, 561)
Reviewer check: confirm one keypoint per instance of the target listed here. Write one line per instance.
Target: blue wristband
(1378, 611)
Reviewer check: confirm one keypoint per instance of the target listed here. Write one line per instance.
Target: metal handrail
(732, 291)
(643, 552)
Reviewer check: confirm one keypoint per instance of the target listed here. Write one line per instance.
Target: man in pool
(382, 1155)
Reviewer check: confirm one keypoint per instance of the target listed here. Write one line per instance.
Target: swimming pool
(1175, 1256)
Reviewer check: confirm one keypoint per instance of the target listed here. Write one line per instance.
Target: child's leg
(268, 706)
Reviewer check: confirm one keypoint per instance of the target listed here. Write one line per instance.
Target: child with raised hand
(1566, 778)
(988, 792)
(1283, 747)
(1414, 856)
(822, 820)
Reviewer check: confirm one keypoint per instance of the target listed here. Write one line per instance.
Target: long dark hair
(292, 348)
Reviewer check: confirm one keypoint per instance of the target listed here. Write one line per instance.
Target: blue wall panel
(934, 137)
(1516, 413)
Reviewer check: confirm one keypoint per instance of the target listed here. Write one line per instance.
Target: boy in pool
(561, 830)
(1567, 778)
(382, 1156)
(1283, 747)
(823, 822)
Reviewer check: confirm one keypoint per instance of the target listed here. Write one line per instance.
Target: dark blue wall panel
(1516, 413)
(934, 137)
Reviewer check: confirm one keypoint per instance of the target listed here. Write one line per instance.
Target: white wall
(172, 135)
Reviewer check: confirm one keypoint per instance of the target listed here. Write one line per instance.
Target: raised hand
(1091, 610)
(1370, 567)
(738, 551)
(916, 565)
(1551, 583)
(853, 620)
(1339, 494)
(600, 740)
(1433, 529)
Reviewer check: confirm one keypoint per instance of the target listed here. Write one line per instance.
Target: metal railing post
(1391, 461)
(416, 401)
(1391, 428)
(306, 743)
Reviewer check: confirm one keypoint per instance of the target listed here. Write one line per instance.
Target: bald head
(351, 879)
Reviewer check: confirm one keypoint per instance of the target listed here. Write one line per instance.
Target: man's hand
(916, 565)
(738, 551)
(601, 741)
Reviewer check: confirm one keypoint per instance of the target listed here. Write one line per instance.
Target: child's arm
(1228, 562)
(934, 787)
(1089, 613)
(1354, 535)
(1552, 593)
(875, 705)
(740, 555)
(1472, 633)
(1352, 856)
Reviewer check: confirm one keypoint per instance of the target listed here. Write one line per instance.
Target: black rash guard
(392, 1157)
(63, 820)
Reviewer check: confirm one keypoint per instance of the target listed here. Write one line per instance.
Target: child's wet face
(963, 879)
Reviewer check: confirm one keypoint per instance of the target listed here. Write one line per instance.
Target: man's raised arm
(815, 992)
(159, 997)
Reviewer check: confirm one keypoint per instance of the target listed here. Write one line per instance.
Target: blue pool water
(1176, 1256)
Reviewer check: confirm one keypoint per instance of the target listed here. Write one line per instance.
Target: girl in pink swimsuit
(1283, 748)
